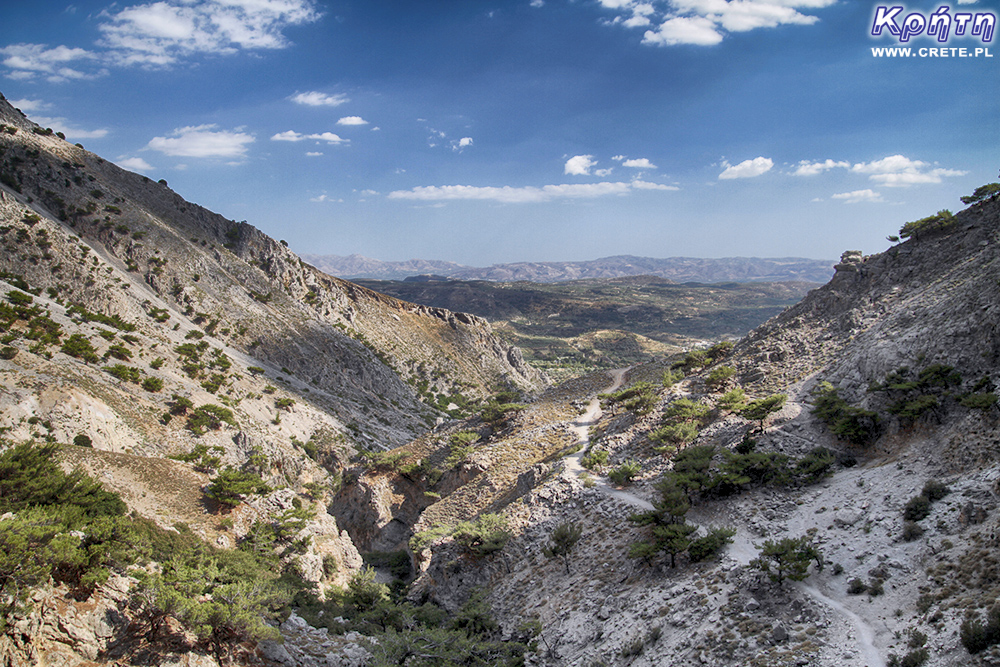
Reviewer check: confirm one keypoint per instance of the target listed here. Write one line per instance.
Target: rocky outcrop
(932, 299)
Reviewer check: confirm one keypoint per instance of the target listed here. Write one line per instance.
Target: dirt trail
(581, 426)
(743, 550)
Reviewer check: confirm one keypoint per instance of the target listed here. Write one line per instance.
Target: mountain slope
(120, 244)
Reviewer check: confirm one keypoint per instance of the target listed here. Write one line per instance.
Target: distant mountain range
(679, 269)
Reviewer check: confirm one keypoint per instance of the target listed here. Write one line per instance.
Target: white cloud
(28, 106)
(203, 141)
(325, 198)
(26, 61)
(313, 153)
(683, 30)
(901, 171)
(537, 3)
(706, 22)
(646, 185)
(292, 135)
(71, 132)
(859, 196)
(317, 99)
(461, 144)
(161, 33)
(352, 120)
(328, 137)
(524, 195)
(134, 164)
(603, 173)
(580, 165)
(747, 168)
(639, 163)
(807, 168)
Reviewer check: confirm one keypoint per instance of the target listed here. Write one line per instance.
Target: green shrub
(709, 546)
(977, 636)
(762, 408)
(934, 490)
(943, 220)
(623, 474)
(982, 401)
(7, 352)
(983, 192)
(80, 347)
(231, 484)
(82, 440)
(788, 558)
(719, 376)
(856, 587)
(912, 531)
(485, 535)
(917, 508)
(209, 417)
(594, 458)
(152, 384)
(125, 373)
(640, 398)
(855, 425)
(733, 400)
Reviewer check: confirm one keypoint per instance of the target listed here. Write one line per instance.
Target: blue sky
(523, 130)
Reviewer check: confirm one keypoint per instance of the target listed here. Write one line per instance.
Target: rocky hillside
(167, 348)
(80, 230)
(874, 471)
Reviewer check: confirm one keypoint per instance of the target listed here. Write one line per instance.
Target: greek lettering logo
(942, 24)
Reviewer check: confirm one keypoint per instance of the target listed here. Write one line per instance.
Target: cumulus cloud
(858, 196)
(352, 120)
(639, 163)
(28, 61)
(293, 136)
(134, 164)
(29, 106)
(70, 130)
(747, 168)
(901, 171)
(580, 165)
(807, 168)
(523, 195)
(684, 30)
(706, 22)
(317, 99)
(161, 34)
(203, 141)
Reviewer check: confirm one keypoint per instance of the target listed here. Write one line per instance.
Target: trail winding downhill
(742, 550)
(581, 426)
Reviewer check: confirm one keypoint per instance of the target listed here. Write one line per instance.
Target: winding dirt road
(581, 426)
